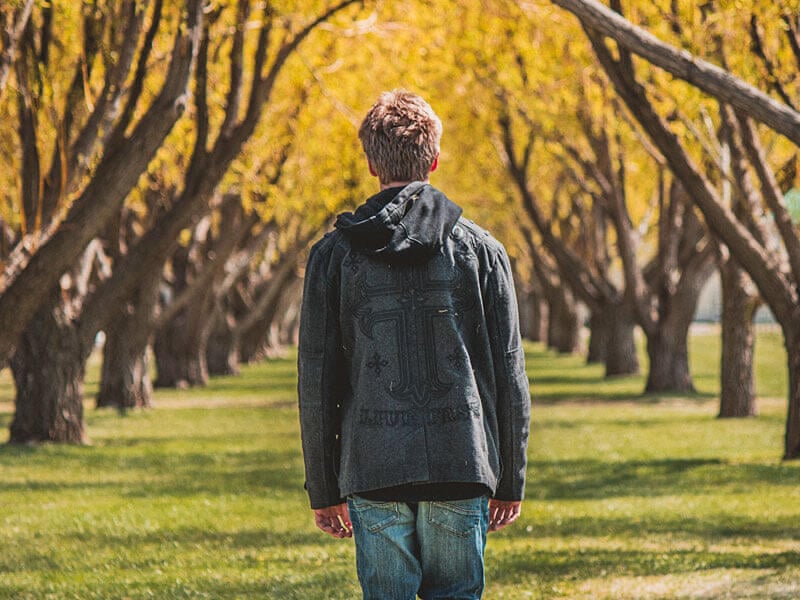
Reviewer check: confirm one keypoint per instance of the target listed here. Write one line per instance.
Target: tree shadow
(152, 474)
(594, 479)
(514, 566)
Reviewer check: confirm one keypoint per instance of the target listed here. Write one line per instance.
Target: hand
(334, 520)
(502, 513)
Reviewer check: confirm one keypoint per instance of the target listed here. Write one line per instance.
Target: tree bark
(563, 326)
(179, 345)
(222, 349)
(620, 356)
(737, 394)
(598, 337)
(532, 310)
(180, 354)
(254, 330)
(669, 361)
(125, 377)
(533, 316)
(792, 435)
(48, 367)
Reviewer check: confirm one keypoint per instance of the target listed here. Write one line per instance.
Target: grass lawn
(628, 496)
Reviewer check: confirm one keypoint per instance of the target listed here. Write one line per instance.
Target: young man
(414, 403)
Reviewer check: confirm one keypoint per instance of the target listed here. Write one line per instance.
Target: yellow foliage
(472, 60)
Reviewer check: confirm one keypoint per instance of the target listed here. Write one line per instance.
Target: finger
(497, 519)
(504, 515)
(324, 524)
(329, 526)
(511, 515)
(345, 526)
(494, 515)
(346, 516)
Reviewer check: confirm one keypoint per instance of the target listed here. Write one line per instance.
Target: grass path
(628, 496)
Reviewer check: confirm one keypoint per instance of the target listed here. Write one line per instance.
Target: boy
(414, 403)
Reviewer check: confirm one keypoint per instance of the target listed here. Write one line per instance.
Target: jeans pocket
(374, 516)
(457, 517)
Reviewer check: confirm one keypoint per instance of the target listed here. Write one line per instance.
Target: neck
(392, 184)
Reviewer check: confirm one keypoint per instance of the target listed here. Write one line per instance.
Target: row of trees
(170, 164)
(732, 184)
(131, 120)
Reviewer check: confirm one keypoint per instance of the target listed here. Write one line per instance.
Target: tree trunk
(792, 437)
(612, 342)
(621, 357)
(563, 326)
(222, 349)
(49, 364)
(598, 337)
(737, 397)
(114, 175)
(532, 314)
(253, 342)
(253, 331)
(180, 353)
(537, 319)
(669, 360)
(125, 380)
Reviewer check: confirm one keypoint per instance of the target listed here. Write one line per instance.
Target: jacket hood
(406, 225)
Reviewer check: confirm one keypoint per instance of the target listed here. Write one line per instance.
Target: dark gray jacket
(411, 368)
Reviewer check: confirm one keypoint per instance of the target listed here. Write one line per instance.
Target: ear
(372, 170)
(435, 164)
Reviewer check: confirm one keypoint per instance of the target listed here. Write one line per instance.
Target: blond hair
(401, 136)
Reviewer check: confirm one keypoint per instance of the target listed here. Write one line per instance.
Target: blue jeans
(434, 549)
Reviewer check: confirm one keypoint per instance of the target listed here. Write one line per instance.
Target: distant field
(628, 496)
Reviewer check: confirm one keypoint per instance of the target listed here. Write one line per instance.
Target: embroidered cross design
(411, 301)
(376, 363)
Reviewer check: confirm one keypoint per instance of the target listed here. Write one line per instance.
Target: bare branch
(11, 36)
(759, 263)
(771, 192)
(708, 77)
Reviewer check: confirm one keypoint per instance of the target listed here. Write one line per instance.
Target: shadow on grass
(511, 567)
(594, 479)
(631, 528)
(233, 541)
(601, 390)
(268, 563)
(155, 474)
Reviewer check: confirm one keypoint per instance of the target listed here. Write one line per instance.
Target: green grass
(628, 496)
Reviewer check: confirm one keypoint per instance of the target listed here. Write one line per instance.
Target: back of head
(401, 136)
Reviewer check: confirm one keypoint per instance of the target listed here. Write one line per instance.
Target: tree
(32, 309)
(775, 268)
(40, 258)
(207, 166)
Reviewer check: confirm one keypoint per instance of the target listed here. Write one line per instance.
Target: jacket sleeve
(513, 390)
(318, 388)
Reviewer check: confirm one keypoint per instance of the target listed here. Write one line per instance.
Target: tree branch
(707, 77)
(764, 270)
(11, 36)
(114, 177)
